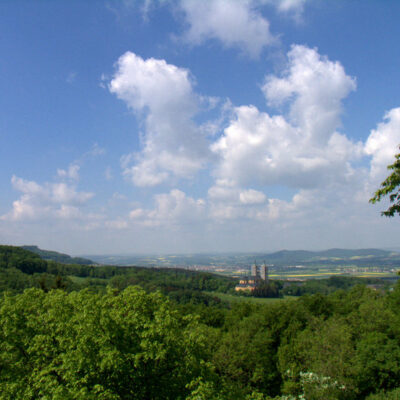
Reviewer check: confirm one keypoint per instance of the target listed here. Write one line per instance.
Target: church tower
(264, 273)
(254, 269)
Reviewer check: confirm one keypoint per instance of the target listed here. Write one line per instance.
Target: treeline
(329, 285)
(20, 269)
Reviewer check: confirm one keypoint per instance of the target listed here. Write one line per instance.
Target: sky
(197, 126)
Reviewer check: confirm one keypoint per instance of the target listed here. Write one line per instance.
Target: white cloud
(234, 23)
(252, 196)
(50, 200)
(290, 5)
(136, 213)
(173, 208)
(177, 205)
(301, 150)
(223, 191)
(383, 143)
(27, 187)
(66, 194)
(333, 212)
(293, 8)
(227, 194)
(72, 172)
(163, 94)
(229, 202)
(316, 87)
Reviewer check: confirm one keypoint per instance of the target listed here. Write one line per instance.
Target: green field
(230, 298)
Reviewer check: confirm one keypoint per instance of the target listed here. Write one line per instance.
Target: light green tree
(82, 346)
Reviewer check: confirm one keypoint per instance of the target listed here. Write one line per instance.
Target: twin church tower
(260, 272)
(258, 276)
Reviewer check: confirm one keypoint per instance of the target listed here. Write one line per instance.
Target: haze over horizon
(140, 127)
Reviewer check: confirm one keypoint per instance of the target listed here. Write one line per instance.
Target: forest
(98, 332)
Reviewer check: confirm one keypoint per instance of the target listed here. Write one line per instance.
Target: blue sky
(188, 126)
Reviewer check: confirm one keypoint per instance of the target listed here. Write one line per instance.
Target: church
(258, 276)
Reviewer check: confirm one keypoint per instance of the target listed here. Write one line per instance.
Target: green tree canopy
(128, 345)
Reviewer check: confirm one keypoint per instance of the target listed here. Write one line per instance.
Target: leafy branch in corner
(390, 186)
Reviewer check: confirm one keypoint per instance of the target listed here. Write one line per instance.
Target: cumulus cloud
(340, 204)
(58, 200)
(161, 93)
(331, 212)
(170, 208)
(226, 201)
(224, 192)
(383, 143)
(316, 87)
(301, 149)
(234, 23)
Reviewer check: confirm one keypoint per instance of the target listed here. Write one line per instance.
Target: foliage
(390, 187)
(383, 395)
(89, 346)
(269, 290)
(25, 261)
(86, 332)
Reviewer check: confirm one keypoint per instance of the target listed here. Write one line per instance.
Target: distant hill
(288, 256)
(346, 253)
(58, 257)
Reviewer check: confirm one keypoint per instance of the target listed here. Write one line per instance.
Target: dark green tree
(390, 186)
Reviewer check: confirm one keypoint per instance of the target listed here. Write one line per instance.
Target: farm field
(323, 272)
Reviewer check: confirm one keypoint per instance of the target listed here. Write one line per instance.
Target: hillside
(58, 257)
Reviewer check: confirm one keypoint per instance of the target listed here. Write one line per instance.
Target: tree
(390, 186)
(112, 346)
